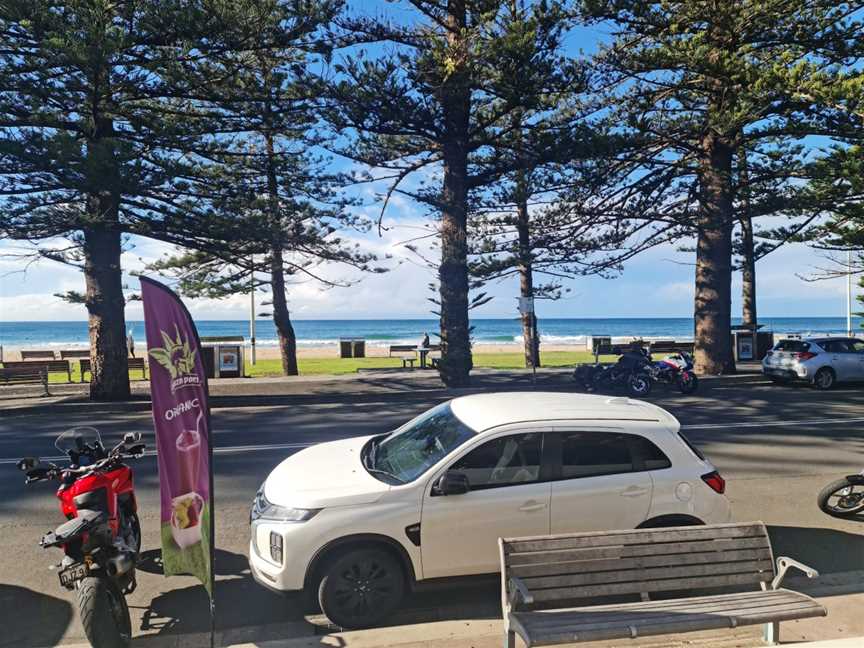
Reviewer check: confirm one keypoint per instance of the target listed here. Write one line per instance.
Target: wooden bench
(553, 569)
(135, 364)
(37, 355)
(68, 354)
(400, 350)
(50, 366)
(35, 375)
(672, 347)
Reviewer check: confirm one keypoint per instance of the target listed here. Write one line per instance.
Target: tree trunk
(105, 303)
(713, 305)
(530, 336)
(455, 365)
(282, 317)
(748, 266)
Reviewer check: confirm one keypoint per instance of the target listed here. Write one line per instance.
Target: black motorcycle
(632, 371)
(843, 498)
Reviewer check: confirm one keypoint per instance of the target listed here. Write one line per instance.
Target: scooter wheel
(104, 613)
(841, 499)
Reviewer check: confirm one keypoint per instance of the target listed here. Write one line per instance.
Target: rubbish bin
(599, 340)
(345, 347)
(358, 347)
(751, 346)
(208, 355)
(223, 360)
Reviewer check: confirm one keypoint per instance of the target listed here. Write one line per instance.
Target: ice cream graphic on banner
(178, 388)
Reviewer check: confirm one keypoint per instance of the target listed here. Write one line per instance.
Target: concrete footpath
(840, 593)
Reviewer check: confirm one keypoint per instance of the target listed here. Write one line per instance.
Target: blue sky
(659, 283)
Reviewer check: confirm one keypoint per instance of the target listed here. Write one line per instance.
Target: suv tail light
(805, 355)
(715, 481)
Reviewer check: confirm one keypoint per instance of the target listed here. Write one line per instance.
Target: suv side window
(856, 346)
(834, 346)
(591, 454)
(653, 458)
(505, 461)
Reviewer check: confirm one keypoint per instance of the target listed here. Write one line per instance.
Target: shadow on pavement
(21, 606)
(239, 600)
(827, 550)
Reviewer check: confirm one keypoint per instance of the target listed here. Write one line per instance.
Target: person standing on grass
(130, 343)
(425, 343)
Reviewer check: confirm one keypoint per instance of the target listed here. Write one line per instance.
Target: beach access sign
(181, 417)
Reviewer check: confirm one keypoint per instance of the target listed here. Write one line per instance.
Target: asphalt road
(776, 446)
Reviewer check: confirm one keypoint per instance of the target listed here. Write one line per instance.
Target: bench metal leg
(771, 633)
(510, 639)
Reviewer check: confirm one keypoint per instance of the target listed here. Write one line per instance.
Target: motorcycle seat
(73, 528)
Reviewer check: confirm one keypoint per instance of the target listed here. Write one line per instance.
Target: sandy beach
(332, 351)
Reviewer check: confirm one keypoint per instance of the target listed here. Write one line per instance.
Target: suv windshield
(411, 450)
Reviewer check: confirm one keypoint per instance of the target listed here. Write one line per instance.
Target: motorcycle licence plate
(74, 573)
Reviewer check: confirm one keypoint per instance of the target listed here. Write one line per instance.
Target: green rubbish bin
(345, 347)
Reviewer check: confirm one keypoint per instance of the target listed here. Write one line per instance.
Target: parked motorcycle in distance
(843, 498)
(632, 371)
(101, 538)
(676, 370)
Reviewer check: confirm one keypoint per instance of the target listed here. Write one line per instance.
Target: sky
(658, 283)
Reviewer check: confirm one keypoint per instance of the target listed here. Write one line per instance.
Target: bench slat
(641, 536)
(761, 569)
(675, 584)
(731, 605)
(632, 551)
(668, 623)
(565, 567)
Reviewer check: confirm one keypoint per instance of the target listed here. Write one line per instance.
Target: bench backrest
(48, 365)
(588, 565)
(402, 348)
(25, 374)
(37, 355)
(134, 363)
(74, 353)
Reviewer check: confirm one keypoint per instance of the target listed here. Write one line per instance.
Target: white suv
(357, 521)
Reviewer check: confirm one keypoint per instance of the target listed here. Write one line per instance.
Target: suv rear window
(796, 346)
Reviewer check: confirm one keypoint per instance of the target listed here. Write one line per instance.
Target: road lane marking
(239, 449)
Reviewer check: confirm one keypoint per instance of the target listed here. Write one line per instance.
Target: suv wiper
(378, 471)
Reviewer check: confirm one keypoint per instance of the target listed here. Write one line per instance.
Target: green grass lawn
(337, 366)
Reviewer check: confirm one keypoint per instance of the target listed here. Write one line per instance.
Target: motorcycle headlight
(263, 509)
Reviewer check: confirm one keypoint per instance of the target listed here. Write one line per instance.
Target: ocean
(386, 332)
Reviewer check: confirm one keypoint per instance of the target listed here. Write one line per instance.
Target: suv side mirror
(453, 483)
(27, 464)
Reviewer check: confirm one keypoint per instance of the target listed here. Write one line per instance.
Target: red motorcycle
(101, 538)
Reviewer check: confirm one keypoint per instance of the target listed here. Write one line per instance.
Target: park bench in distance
(34, 375)
(69, 354)
(401, 351)
(50, 366)
(552, 570)
(37, 355)
(135, 364)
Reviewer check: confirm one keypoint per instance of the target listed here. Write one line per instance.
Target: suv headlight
(263, 509)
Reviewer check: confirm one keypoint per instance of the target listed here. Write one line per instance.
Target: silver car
(822, 362)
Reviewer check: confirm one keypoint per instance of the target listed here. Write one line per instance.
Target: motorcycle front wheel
(639, 385)
(688, 382)
(104, 613)
(841, 498)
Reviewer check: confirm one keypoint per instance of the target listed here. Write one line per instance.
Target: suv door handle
(532, 505)
(633, 491)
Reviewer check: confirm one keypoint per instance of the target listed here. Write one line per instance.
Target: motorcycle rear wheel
(104, 613)
(841, 499)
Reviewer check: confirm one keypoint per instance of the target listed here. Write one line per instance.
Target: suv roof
(484, 411)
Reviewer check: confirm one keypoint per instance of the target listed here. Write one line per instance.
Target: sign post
(181, 418)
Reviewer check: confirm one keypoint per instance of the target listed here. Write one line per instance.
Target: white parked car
(356, 522)
(823, 362)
